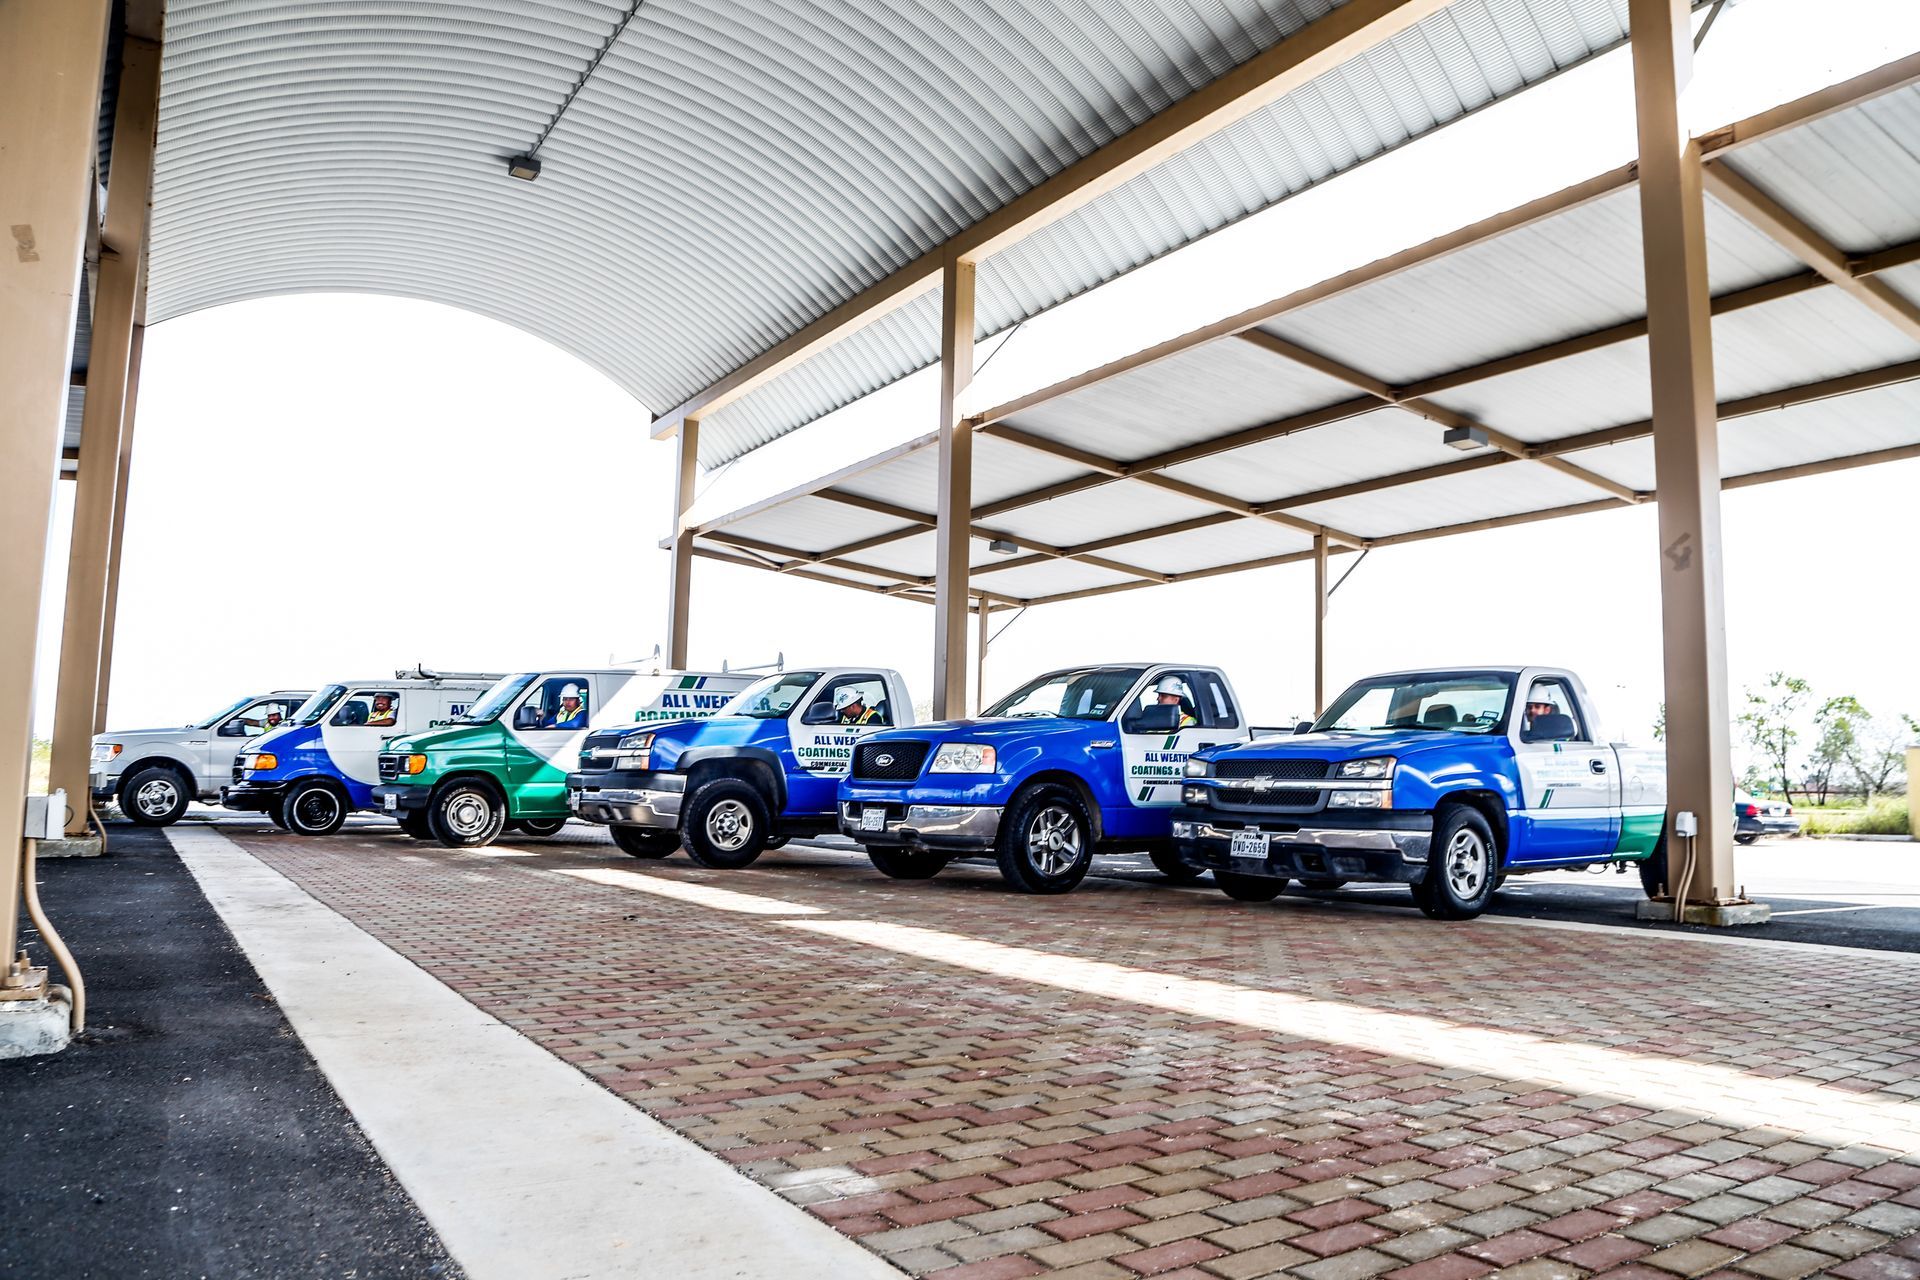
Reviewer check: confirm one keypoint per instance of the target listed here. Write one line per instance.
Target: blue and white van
(311, 774)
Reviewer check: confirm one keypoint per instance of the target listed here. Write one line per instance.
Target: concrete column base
(40, 1025)
(1717, 914)
(71, 847)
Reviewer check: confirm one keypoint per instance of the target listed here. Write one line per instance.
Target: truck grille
(889, 761)
(389, 768)
(1258, 784)
(239, 774)
(1231, 767)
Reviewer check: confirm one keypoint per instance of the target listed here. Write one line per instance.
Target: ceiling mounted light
(1002, 547)
(1465, 437)
(526, 168)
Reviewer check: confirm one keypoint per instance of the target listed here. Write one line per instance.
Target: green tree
(1769, 723)
(1660, 724)
(1879, 753)
(1838, 723)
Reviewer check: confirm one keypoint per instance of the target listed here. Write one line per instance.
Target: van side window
(563, 703)
(369, 708)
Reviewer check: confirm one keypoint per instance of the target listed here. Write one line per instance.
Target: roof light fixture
(526, 168)
(1465, 437)
(1002, 547)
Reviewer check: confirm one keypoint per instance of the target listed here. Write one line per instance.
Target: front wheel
(1653, 870)
(541, 826)
(1168, 864)
(725, 824)
(1462, 867)
(645, 842)
(156, 796)
(314, 808)
(466, 815)
(1046, 842)
(1248, 888)
(906, 864)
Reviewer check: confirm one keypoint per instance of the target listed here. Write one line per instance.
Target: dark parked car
(1756, 817)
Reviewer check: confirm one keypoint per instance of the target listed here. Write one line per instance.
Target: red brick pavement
(977, 1126)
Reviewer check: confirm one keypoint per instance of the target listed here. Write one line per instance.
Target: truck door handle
(1598, 766)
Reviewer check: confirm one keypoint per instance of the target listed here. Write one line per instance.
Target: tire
(416, 824)
(277, 814)
(1748, 838)
(314, 808)
(906, 864)
(1045, 844)
(155, 796)
(466, 814)
(1168, 864)
(645, 842)
(1248, 888)
(725, 824)
(540, 828)
(1462, 869)
(1322, 886)
(1653, 870)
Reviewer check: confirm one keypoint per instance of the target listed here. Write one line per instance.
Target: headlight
(259, 760)
(637, 741)
(1199, 768)
(105, 751)
(1359, 800)
(1193, 795)
(1371, 767)
(634, 751)
(414, 764)
(964, 757)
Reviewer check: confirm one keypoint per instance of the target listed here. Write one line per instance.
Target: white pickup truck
(155, 774)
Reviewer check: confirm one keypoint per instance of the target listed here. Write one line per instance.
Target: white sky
(327, 486)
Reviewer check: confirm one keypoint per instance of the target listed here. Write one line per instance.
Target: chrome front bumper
(1325, 838)
(1311, 853)
(924, 826)
(627, 808)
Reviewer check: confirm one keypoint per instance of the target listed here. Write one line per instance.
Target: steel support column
(50, 58)
(953, 529)
(1319, 624)
(1686, 444)
(982, 617)
(134, 352)
(122, 272)
(680, 583)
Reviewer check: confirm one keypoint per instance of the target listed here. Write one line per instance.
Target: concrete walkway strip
(525, 1167)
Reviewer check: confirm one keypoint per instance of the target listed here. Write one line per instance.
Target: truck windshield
(1090, 693)
(1442, 702)
(221, 714)
(319, 704)
(496, 699)
(771, 697)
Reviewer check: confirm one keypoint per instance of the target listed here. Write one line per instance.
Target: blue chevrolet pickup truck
(1447, 781)
(746, 780)
(1070, 761)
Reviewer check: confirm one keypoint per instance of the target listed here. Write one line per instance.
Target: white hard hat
(569, 691)
(845, 696)
(1173, 685)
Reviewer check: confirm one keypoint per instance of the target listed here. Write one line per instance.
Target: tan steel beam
(50, 61)
(110, 622)
(680, 570)
(953, 511)
(1258, 82)
(1319, 624)
(103, 419)
(1808, 245)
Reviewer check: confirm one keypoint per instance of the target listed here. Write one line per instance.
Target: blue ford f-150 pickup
(760, 772)
(1447, 781)
(1075, 759)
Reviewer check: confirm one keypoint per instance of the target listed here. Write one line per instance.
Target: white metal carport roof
(1322, 412)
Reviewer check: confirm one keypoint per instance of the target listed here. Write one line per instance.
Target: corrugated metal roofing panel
(1231, 543)
(1050, 577)
(1432, 504)
(814, 524)
(1378, 443)
(1202, 392)
(736, 168)
(1000, 470)
(1851, 176)
(1099, 513)
(1567, 275)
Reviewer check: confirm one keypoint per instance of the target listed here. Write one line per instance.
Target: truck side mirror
(1305, 726)
(233, 729)
(526, 716)
(819, 713)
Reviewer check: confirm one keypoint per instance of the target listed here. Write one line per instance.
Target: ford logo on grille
(883, 759)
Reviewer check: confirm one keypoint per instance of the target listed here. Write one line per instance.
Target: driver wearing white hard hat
(571, 713)
(850, 705)
(1172, 692)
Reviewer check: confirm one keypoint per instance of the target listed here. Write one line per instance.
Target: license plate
(873, 818)
(1249, 844)
(573, 801)
(390, 803)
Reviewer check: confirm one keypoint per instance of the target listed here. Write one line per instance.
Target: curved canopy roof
(727, 171)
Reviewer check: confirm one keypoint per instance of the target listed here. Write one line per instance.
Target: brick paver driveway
(1135, 1080)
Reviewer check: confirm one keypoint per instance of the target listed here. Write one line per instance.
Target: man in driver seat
(1172, 692)
(570, 714)
(1537, 706)
(382, 714)
(850, 706)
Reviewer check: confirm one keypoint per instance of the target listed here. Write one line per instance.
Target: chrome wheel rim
(1054, 843)
(315, 809)
(729, 826)
(156, 798)
(1466, 864)
(468, 815)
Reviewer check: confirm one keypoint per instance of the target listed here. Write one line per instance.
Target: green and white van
(503, 765)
